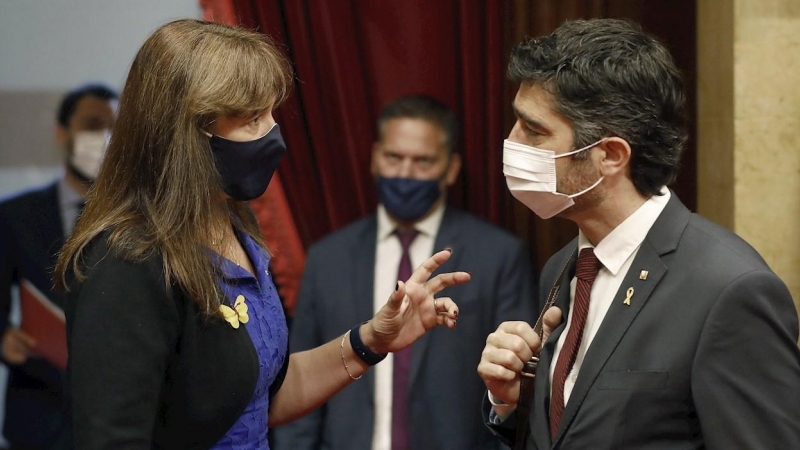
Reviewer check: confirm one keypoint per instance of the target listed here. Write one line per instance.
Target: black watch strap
(361, 350)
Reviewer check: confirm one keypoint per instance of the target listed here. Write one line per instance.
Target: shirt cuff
(500, 410)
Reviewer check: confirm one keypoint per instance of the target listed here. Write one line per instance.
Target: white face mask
(88, 151)
(531, 177)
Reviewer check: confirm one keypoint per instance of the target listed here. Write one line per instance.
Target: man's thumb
(550, 321)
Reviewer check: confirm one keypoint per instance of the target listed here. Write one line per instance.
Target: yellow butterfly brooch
(236, 314)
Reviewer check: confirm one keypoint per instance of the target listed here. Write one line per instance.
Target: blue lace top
(268, 330)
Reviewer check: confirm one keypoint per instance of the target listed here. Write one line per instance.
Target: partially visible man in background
(33, 226)
(422, 399)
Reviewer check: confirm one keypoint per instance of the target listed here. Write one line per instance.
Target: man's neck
(80, 186)
(600, 220)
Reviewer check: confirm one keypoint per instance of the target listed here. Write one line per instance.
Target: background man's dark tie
(401, 440)
(587, 268)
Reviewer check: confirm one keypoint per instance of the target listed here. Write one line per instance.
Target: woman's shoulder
(106, 266)
(103, 255)
(115, 284)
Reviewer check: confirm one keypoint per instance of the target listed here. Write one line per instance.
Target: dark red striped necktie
(401, 439)
(587, 268)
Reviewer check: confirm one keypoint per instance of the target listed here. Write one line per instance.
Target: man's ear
(453, 169)
(62, 136)
(615, 157)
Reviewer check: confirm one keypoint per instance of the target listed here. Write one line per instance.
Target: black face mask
(247, 167)
(408, 199)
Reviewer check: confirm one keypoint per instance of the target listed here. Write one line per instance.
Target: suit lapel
(541, 429)
(364, 282)
(662, 238)
(562, 302)
(364, 273)
(448, 236)
(617, 320)
(53, 229)
(42, 247)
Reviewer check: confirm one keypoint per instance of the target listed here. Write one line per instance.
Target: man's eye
(530, 132)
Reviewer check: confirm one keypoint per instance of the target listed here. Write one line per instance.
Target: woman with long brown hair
(175, 332)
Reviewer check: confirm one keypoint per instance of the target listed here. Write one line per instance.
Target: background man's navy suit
(31, 234)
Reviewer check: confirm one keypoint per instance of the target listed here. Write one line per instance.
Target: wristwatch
(362, 351)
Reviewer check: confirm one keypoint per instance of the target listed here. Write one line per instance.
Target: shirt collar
(68, 197)
(229, 270)
(623, 240)
(428, 226)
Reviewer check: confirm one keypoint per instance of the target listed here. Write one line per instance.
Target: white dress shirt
(388, 252)
(616, 252)
(68, 201)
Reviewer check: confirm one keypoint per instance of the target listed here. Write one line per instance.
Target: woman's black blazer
(146, 369)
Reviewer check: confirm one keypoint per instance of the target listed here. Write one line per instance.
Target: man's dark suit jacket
(705, 356)
(337, 293)
(31, 234)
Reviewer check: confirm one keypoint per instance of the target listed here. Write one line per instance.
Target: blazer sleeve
(746, 373)
(504, 430)
(305, 432)
(122, 329)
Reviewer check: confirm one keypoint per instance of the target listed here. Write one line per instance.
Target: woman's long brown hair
(158, 193)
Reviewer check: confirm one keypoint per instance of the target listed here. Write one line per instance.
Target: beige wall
(749, 125)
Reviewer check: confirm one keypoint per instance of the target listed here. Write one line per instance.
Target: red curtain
(352, 56)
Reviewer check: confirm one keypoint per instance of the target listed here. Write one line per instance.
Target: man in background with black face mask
(33, 226)
(428, 397)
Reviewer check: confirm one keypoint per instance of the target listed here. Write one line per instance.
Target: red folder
(44, 322)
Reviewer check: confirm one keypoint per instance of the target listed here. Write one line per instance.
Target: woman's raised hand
(412, 309)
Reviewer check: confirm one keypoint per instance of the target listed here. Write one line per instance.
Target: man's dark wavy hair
(70, 101)
(426, 108)
(610, 78)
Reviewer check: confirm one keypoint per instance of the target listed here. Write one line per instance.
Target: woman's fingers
(443, 280)
(447, 318)
(420, 289)
(430, 265)
(436, 284)
(446, 306)
(447, 310)
(396, 298)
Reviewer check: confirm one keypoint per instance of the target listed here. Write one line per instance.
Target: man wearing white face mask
(33, 226)
(665, 330)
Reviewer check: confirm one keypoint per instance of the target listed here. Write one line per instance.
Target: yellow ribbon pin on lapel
(237, 314)
(628, 296)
